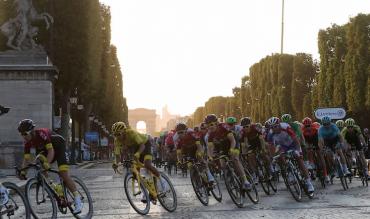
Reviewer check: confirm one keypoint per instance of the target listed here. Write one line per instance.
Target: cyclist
(329, 136)
(53, 148)
(284, 138)
(354, 139)
(253, 141)
(221, 140)
(340, 124)
(310, 134)
(170, 150)
(287, 118)
(187, 144)
(128, 141)
(236, 129)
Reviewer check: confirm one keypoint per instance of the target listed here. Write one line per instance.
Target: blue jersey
(329, 132)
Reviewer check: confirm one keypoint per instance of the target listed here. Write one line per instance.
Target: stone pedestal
(27, 87)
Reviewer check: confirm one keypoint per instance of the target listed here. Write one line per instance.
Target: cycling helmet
(210, 118)
(273, 121)
(325, 120)
(286, 118)
(26, 125)
(259, 126)
(180, 127)
(196, 129)
(307, 121)
(118, 127)
(245, 121)
(340, 123)
(350, 122)
(203, 125)
(231, 120)
(366, 130)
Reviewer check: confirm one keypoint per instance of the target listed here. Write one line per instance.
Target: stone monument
(26, 80)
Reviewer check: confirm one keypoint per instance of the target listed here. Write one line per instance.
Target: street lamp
(73, 101)
(80, 108)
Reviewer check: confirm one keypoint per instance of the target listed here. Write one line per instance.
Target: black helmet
(210, 118)
(26, 125)
(245, 121)
(181, 126)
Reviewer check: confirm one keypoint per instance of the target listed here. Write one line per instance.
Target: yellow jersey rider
(128, 141)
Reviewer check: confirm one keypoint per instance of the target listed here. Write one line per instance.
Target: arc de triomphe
(141, 114)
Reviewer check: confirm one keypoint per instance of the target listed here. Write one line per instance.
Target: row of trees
(79, 44)
(297, 84)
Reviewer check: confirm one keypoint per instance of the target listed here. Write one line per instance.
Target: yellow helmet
(118, 127)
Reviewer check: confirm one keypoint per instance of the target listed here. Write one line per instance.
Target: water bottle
(57, 187)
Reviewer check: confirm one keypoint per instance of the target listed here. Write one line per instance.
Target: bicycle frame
(149, 184)
(45, 182)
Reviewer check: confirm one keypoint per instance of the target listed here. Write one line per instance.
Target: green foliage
(78, 43)
(298, 85)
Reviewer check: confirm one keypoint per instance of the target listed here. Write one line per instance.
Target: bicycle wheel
(216, 191)
(340, 172)
(87, 210)
(17, 206)
(363, 172)
(292, 183)
(137, 194)
(168, 198)
(263, 178)
(199, 187)
(40, 199)
(233, 187)
(274, 179)
(253, 193)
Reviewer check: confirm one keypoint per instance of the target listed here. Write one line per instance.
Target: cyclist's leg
(252, 162)
(320, 154)
(146, 157)
(360, 150)
(62, 161)
(310, 155)
(301, 165)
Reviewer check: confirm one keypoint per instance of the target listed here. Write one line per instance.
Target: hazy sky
(181, 52)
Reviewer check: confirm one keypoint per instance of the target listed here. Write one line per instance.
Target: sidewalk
(8, 175)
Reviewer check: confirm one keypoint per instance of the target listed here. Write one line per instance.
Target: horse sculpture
(19, 30)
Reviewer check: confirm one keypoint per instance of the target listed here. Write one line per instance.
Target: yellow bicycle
(141, 188)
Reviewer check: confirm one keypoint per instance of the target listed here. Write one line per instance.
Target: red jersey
(219, 136)
(169, 138)
(41, 141)
(311, 135)
(189, 139)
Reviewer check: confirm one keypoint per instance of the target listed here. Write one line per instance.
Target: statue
(19, 30)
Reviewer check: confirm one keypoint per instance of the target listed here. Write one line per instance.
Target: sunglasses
(275, 126)
(212, 124)
(180, 132)
(246, 126)
(202, 128)
(349, 127)
(26, 133)
(118, 134)
(307, 126)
